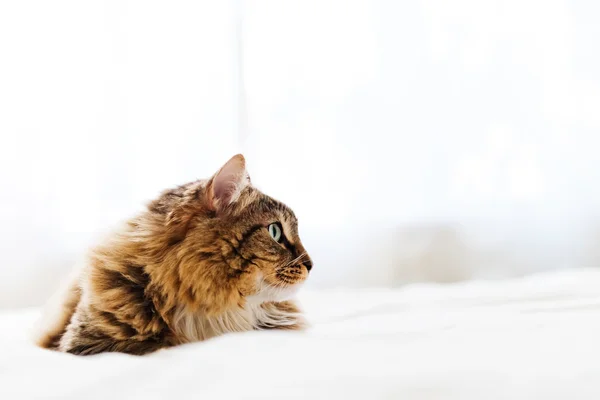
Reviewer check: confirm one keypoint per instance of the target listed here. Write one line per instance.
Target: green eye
(275, 232)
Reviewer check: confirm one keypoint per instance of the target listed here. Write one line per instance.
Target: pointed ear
(227, 184)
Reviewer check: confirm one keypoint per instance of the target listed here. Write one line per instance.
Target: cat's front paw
(281, 315)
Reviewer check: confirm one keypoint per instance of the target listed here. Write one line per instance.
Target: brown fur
(199, 262)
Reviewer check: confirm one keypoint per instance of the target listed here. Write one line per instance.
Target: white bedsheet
(531, 338)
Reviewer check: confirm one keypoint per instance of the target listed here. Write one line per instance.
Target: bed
(536, 337)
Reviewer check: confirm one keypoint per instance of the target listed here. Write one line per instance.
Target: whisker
(295, 260)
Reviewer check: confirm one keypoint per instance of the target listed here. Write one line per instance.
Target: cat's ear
(227, 184)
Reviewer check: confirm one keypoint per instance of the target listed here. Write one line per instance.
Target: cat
(206, 258)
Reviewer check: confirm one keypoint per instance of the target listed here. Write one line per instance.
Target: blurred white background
(421, 140)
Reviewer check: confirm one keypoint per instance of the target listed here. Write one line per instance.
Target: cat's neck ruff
(255, 315)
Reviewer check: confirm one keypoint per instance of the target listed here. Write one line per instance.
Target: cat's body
(204, 259)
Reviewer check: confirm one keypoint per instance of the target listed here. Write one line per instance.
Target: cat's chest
(193, 327)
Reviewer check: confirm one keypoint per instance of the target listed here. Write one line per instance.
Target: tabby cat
(206, 258)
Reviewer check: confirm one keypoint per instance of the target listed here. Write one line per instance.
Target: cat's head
(231, 242)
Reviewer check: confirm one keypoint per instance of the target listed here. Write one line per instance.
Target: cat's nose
(308, 265)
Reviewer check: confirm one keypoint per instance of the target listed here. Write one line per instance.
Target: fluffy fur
(198, 263)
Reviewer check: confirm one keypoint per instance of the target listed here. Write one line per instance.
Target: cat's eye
(275, 232)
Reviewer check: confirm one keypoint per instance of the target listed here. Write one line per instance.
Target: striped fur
(198, 263)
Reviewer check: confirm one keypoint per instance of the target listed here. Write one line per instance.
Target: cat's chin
(269, 292)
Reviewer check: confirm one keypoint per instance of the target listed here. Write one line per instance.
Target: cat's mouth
(279, 292)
